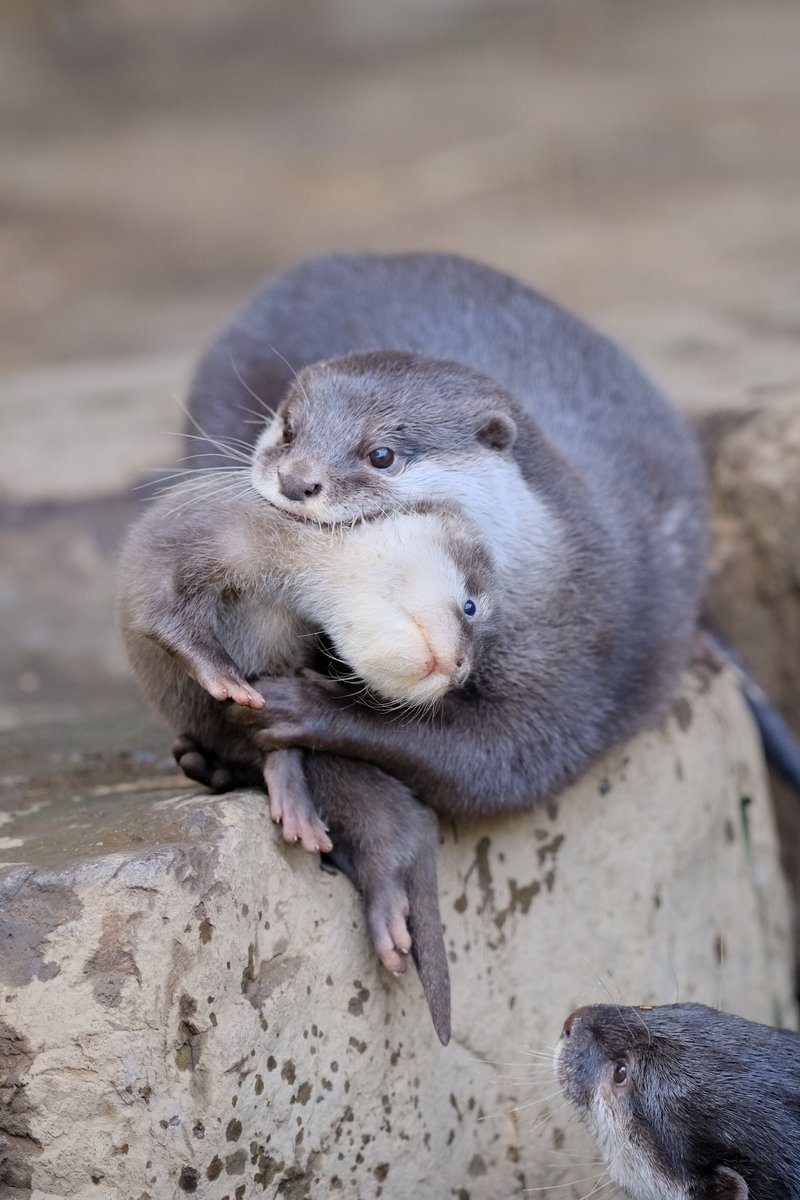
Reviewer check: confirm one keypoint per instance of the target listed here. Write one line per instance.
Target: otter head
(661, 1090)
(376, 432)
(413, 604)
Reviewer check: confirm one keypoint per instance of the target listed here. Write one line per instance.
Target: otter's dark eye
(288, 435)
(382, 457)
(620, 1072)
(470, 608)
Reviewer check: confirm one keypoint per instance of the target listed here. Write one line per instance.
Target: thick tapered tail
(428, 949)
(781, 747)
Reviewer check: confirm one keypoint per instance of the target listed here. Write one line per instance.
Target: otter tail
(428, 949)
(781, 747)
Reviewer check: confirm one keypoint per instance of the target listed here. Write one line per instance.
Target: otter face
(658, 1088)
(374, 433)
(414, 605)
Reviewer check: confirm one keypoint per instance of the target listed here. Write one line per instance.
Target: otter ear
(728, 1185)
(498, 432)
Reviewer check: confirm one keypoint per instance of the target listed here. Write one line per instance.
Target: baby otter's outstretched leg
(290, 802)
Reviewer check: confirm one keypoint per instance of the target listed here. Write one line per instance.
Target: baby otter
(430, 377)
(216, 587)
(687, 1103)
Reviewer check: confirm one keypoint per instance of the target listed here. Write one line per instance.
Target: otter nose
(298, 486)
(571, 1020)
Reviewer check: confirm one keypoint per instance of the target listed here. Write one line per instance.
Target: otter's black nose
(298, 487)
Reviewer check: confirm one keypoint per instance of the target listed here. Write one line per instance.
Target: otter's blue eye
(470, 608)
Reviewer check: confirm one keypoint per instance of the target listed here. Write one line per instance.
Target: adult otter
(687, 1103)
(217, 585)
(583, 480)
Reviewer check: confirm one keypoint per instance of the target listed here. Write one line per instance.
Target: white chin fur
(410, 690)
(396, 670)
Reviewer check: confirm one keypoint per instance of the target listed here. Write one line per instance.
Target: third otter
(430, 377)
(687, 1103)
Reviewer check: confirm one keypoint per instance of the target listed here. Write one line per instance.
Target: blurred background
(638, 161)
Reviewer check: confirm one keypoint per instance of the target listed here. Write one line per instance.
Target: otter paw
(301, 824)
(291, 804)
(387, 914)
(201, 766)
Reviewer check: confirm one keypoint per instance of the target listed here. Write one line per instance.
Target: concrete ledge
(187, 1008)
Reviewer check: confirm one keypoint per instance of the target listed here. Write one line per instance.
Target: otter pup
(687, 1103)
(219, 586)
(583, 480)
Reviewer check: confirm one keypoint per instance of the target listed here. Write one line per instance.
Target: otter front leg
(182, 624)
(483, 754)
(290, 802)
(205, 660)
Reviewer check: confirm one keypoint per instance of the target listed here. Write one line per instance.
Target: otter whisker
(285, 360)
(519, 1107)
(182, 474)
(247, 388)
(196, 494)
(546, 1187)
(614, 1002)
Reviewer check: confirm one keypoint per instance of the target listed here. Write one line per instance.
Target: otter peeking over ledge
(686, 1102)
(216, 586)
(429, 377)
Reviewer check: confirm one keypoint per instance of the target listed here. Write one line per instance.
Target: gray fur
(710, 1107)
(598, 619)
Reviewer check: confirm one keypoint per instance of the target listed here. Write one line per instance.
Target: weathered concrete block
(189, 1008)
(754, 586)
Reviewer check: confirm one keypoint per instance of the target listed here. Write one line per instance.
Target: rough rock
(754, 591)
(188, 1008)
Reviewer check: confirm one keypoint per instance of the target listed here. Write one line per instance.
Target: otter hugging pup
(523, 451)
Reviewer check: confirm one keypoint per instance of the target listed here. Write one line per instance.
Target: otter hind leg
(387, 843)
(290, 801)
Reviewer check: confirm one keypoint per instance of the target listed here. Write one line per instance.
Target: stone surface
(189, 1008)
(754, 589)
